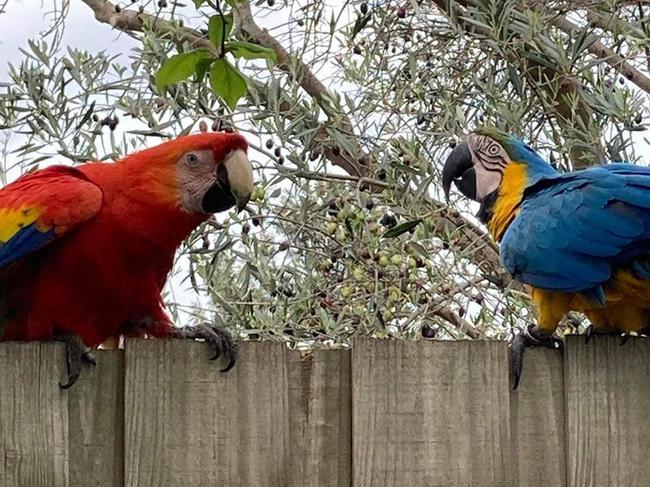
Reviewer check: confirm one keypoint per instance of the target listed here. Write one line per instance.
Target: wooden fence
(386, 413)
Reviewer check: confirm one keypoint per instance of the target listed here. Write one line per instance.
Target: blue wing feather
(27, 240)
(573, 229)
(42, 206)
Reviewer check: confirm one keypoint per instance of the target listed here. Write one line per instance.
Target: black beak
(219, 197)
(459, 168)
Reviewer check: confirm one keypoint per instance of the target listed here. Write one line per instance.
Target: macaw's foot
(219, 340)
(591, 331)
(76, 352)
(533, 336)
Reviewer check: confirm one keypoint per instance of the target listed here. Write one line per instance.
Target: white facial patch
(197, 172)
(490, 160)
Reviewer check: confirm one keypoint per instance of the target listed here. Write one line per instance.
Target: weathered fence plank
(319, 420)
(607, 399)
(430, 413)
(33, 416)
(96, 422)
(388, 413)
(188, 424)
(537, 421)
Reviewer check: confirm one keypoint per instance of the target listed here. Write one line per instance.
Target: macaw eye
(192, 158)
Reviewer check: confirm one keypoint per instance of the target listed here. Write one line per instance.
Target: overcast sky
(25, 19)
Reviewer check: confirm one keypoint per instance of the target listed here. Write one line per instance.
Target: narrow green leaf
(402, 228)
(86, 116)
(198, 3)
(360, 23)
(179, 67)
(248, 50)
(218, 30)
(40, 54)
(227, 82)
(419, 249)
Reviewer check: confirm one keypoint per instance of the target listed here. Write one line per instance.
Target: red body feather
(108, 262)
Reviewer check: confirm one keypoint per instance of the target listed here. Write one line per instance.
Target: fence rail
(385, 413)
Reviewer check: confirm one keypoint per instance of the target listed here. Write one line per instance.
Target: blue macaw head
(477, 165)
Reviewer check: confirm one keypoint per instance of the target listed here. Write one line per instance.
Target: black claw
(624, 338)
(71, 380)
(76, 352)
(531, 337)
(518, 347)
(73, 360)
(216, 353)
(589, 333)
(219, 341)
(231, 364)
(89, 358)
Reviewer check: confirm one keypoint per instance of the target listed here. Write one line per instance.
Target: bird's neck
(500, 208)
(146, 206)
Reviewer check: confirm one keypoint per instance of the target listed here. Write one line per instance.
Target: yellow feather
(627, 298)
(627, 305)
(506, 206)
(12, 220)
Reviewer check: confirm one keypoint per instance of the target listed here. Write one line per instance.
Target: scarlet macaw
(85, 251)
(580, 240)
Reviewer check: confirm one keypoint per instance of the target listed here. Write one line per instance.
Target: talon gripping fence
(385, 413)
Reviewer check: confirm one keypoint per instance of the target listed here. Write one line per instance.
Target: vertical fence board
(33, 416)
(96, 422)
(188, 424)
(537, 421)
(608, 398)
(388, 413)
(430, 413)
(319, 419)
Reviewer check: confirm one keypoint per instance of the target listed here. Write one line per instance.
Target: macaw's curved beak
(459, 168)
(234, 184)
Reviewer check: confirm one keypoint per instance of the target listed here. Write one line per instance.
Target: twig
(357, 163)
(360, 166)
(607, 55)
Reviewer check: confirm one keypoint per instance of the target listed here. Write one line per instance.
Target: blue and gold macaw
(579, 240)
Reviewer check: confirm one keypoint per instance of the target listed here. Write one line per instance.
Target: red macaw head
(202, 173)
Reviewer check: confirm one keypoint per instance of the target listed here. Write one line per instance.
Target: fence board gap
(319, 419)
(96, 423)
(537, 423)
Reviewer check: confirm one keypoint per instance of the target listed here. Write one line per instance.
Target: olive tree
(350, 109)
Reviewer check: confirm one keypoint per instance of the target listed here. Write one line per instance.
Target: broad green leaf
(402, 228)
(217, 30)
(179, 67)
(202, 68)
(227, 82)
(248, 50)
